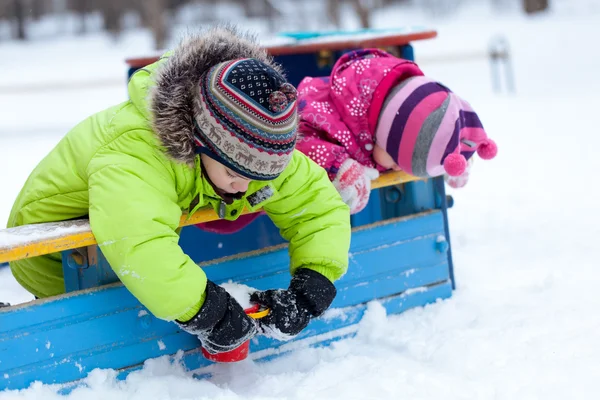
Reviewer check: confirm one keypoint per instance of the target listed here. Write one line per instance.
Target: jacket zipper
(222, 209)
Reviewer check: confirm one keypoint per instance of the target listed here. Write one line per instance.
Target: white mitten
(353, 182)
(457, 182)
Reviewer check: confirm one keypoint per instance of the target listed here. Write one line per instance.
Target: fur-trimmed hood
(175, 93)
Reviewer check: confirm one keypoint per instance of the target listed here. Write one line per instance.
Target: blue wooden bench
(400, 254)
(403, 261)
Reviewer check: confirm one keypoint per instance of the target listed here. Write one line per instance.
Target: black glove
(221, 323)
(308, 296)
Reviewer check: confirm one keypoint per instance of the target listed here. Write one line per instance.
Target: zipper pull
(222, 209)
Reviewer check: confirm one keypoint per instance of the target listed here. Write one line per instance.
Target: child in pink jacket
(377, 112)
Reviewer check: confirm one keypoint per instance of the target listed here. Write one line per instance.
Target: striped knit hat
(429, 131)
(246, 118)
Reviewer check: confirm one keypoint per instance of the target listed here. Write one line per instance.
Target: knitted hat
(246, 118)
(429, 131)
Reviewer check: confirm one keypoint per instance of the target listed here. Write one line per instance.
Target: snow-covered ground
(523, 322)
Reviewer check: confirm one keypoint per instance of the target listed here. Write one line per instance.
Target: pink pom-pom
(455, 164)
(487, 150)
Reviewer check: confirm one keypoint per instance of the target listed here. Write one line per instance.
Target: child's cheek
(382, 158)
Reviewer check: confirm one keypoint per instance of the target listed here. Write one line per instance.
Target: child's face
(382, 158)
(224, 178)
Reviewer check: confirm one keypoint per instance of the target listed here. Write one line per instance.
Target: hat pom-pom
(277, 101)
(290, 91)
(455, 164)
(487, 150)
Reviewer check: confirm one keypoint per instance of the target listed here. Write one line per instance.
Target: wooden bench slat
(331, 43)
(360, 41)
(38, 239)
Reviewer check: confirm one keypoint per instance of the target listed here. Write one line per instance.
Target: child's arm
(134, 216)
(312, 217)
(322, 134)
(351, 178)
(317, 145)
(327, 140)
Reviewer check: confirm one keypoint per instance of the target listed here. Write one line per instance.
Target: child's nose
(241, 185)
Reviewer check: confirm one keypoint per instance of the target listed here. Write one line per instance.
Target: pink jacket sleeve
(321, 130)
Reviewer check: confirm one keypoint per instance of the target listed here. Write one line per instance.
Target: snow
(523, 321)
(10, 291)
(31, 233)
(241, 293)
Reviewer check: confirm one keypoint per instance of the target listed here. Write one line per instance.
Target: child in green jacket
(213, 123)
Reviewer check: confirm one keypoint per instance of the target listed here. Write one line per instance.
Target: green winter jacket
(133, 174)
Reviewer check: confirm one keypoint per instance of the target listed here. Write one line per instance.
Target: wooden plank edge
(312, 45)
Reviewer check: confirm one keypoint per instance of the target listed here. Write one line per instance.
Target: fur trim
(176, 91)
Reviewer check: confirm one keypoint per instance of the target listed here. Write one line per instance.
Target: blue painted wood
(409, 198)
(94, 271)
(70, 272)
(371, 213)
(363, 240)
(407, 52)
(203, 246)
(62, 339)
(445, 202)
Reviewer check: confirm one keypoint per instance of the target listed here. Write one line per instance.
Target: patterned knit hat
(429, 130)
(246, 118)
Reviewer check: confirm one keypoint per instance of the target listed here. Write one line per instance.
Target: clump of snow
(336, 313)
(31, 233)
(79, 366)
(241, 293)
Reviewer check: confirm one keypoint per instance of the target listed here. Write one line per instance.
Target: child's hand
(353, 182)
(221, 324)
(308, 296)
(457, 182)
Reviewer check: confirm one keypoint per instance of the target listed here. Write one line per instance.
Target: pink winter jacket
(338, 114)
